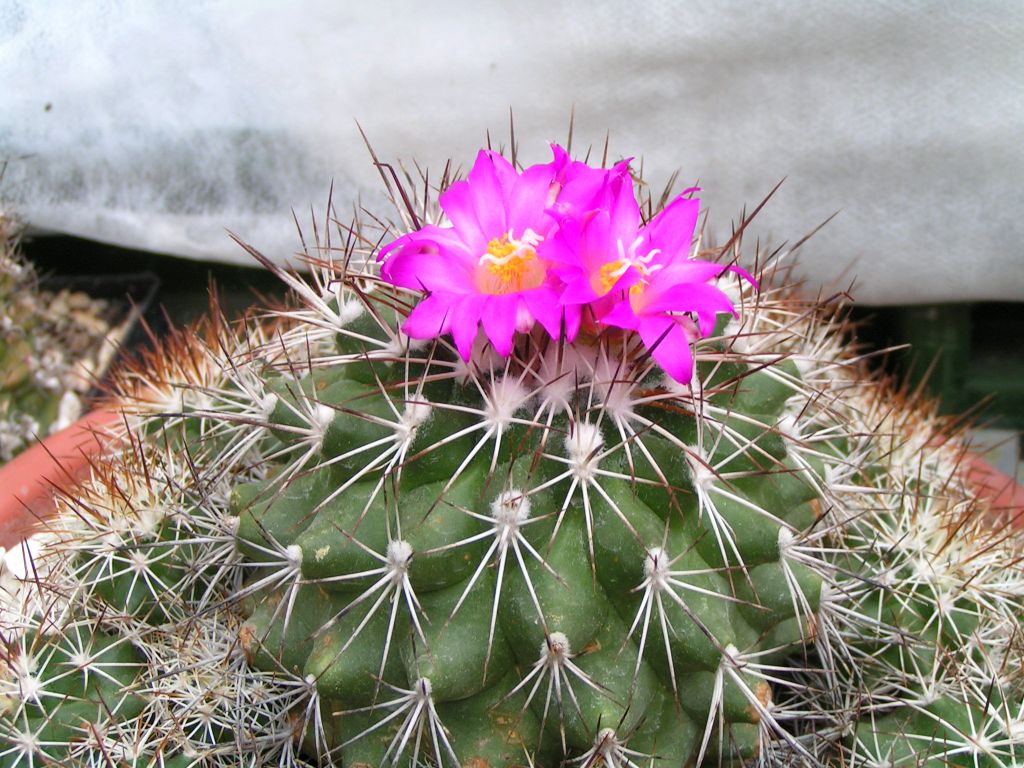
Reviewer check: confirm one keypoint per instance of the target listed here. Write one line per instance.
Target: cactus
(51, 344)
(323, 542)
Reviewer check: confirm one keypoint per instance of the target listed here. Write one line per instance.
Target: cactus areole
(538, 483)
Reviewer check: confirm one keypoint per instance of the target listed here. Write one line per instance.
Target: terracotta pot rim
(27, 482)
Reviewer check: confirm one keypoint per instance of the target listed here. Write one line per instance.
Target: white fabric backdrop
(159, 125)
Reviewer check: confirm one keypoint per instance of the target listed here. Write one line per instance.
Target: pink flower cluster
(561, 244)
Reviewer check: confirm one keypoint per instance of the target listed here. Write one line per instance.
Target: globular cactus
(323, 542)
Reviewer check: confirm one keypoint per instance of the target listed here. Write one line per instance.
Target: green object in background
(940, 344)
(970, 356)
(996, 365)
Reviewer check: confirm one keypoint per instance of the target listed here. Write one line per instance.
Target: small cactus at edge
(336, 534)
(52, 346)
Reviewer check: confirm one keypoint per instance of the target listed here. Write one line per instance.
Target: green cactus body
(350, 550)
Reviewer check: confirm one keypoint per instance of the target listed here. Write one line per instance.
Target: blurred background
(135, 135)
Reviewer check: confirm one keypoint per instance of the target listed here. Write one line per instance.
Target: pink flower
(580, 249)
(546, 245)
(606, 250)
(489, 266)
(641, 278)
(658, 307)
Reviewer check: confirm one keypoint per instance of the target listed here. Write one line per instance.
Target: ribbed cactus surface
(324, 543)
(523, 546)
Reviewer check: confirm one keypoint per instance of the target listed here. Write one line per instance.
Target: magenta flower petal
(701, 299)
(623, 207)
(489, 197)
(504, 172)
(578, 292)
(529, 194)
(543, 305)
(562, 158)
(431, 317)
(563, 246)
(743, 273)
(465, 321)
(429, 235)
(477, 206)
(582, 187)
(622, 316)
(498, 317)
(689, 271)
(457, 204)
(685, 297)
(596, 255)
(671, 231)
(585, 250)
(669, 345)
(416, 262)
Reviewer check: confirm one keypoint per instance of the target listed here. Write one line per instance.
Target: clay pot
(1004, 494)
(28, 481)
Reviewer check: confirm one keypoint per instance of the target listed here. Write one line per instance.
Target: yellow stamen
(610, 274)
(512, 262)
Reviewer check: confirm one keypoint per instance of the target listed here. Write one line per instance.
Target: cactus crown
(325, 542)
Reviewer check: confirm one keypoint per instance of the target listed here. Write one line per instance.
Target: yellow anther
(513, 263)
(500, 248)
(610, 274)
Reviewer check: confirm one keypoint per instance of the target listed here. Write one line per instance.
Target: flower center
(511, 265)
(610, 273)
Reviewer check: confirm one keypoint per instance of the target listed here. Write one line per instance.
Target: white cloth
(160, 125)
